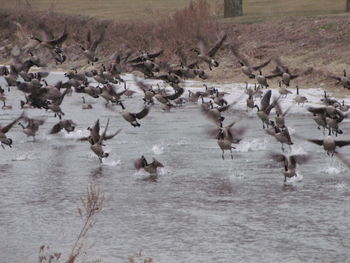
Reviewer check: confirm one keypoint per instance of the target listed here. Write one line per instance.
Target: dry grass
(158, 9)
(91, 205)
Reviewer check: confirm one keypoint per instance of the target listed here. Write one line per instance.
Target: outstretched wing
(142, 113)
(217, 46)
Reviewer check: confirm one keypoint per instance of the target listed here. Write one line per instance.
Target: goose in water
(97, 147)
(151, 168)
(290, 163)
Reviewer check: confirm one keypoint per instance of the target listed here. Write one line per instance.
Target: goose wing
(61, 39)
(298, 159)
(95, 131)
(97, 41)
(104, 133)
(56, 128)
(320, 110)
(238, 56)
(319, 142)
(107, 137)
(265, 101)
(156, 163)
(217, 46)
(342, 143)
(6, 128)
(138, 163)
(264, 64)
(142, 113)
(176, 95)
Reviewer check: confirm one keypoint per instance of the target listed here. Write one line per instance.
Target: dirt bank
(311, 46)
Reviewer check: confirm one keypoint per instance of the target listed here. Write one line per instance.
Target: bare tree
(234, 8)
(347, 8)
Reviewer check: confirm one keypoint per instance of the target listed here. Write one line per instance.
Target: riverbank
(312, 47)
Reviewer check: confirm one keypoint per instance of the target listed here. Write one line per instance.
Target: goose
(147, 90)
(262, 79)
(246, 68)
(300, 99)
(151, 168)
(343, 80)
(290, 163)
(89, 50)
(329, 144)
(283, 91)
(283, 71)
(219, 98)
(68, 125)
(97, 146)
(332, 117)
(54, 106)
(250, 102)
(226, 136)
(86, 106)
(214, 114)
(165, 99)
(280, 118)
(133, 117)
(95, 134)
(110, 95)
(343, 107)
(265, 108)
(282, 135)
(32, 126)
(4, 140)
(207, 55)
(53, 44)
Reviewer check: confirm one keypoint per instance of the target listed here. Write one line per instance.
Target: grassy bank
(157, 9)
(312, 46)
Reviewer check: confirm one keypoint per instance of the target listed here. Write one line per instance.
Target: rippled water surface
(201, 209)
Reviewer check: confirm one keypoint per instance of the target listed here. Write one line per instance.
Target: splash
(252, 145)
(158, 149)
(333, 167)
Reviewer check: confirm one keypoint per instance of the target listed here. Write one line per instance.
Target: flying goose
(151, 168)
(53, 43)
(95, 134)
(32, 126)
(280, 118)
(207, 55)
(165, 99)
(97, 146)
(283, 71)
(68, 125)
(246, 68)
(226, 136)
(290, 163)
(133, 117)
(328, 143)
(89, 49)
(262, 79)
(265, 108)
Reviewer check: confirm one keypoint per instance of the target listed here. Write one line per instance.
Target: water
(201, 208)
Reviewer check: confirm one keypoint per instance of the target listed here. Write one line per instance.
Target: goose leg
(223, 153)
(231, 153)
